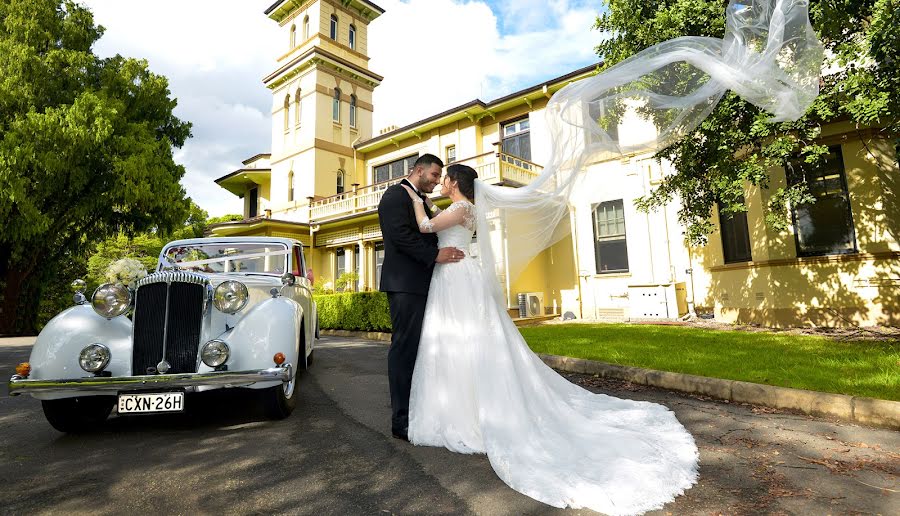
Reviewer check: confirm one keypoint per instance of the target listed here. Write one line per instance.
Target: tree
(85, 151)
(862, 41)
(232, 217)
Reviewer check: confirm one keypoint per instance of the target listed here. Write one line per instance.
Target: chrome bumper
(18, 385)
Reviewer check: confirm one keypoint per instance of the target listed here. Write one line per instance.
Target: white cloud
(433, 54)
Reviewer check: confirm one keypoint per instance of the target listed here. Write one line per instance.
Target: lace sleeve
(459, 213)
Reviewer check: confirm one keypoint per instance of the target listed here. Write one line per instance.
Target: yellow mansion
(838, 265)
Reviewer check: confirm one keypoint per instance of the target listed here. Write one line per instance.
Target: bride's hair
(464, 176)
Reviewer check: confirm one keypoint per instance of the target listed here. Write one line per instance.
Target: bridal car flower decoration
(126, 271)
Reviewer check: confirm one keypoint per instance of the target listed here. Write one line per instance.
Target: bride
(478, 388)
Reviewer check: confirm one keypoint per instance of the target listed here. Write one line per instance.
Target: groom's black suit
(409, 257)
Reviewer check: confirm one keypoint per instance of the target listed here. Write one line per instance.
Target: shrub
(360, 311)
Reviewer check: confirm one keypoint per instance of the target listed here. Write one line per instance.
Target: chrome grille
(176, 334)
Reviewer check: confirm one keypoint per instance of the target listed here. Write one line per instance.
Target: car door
(302, 292)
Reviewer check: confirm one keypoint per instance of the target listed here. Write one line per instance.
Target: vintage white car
(216, 313)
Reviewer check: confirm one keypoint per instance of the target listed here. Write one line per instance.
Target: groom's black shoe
(400, 434)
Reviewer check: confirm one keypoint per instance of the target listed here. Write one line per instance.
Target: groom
(409, 258)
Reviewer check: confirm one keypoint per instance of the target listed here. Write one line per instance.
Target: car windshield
(227, 257)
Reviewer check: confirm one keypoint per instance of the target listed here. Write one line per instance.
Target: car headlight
(94, 358)
(214, 353)
(111, 300)
(230, 296)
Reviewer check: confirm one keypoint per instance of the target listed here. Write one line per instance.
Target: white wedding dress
(478, 388)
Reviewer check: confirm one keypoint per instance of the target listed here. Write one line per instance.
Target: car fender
(270, 327)
(55, 352)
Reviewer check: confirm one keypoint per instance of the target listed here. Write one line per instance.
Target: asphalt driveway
(334, 455)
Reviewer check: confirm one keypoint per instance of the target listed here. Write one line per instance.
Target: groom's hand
(449, 255)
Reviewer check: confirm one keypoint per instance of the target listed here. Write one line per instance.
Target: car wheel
(74, 415)
(309, 359)
(279, 401)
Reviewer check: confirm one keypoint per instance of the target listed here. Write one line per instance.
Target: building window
(826, 226)
(610, 249)
(516, 142)
(334, 26)
(305, 28)
(451, 154)
(291, 186)
(379, 262)
(353, 37)
(352, 110)
(287, 111)
(607, 122)
(340, 181)
(735, 236)
(340, 262)
(395, 169)
(293, 36)
(336, 106)
(297, 108)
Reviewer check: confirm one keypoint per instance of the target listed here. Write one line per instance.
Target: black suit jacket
(408, 254)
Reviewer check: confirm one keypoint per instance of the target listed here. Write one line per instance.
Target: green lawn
(859, 368)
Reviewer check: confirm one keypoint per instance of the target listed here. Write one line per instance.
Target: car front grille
(175, 335)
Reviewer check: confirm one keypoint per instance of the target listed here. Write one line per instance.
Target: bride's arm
(443, 220)
(418, 205)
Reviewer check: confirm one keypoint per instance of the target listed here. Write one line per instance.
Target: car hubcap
(289, 385)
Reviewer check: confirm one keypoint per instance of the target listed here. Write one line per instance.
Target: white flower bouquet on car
(126, 271)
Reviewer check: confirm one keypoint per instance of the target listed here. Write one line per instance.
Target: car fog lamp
(214, 353)
(230, 296)
(23, 369)
(111, 300)
(278, 358)
(94, 358)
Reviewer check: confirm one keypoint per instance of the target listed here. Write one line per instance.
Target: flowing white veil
(770, 56)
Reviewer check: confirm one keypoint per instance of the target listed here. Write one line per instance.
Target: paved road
(334, 456)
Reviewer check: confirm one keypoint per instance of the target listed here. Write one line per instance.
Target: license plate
(156, 402)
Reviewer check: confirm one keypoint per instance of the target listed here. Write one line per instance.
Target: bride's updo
(464, 176)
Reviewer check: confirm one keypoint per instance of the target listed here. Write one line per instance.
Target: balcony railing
(492, 167)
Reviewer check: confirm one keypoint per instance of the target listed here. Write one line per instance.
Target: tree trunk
(13, 282)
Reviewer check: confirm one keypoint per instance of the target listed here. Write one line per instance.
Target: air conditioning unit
(534, 304)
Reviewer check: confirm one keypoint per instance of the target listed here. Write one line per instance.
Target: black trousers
(407, 313)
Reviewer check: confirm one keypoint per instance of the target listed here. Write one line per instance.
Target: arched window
(334, 27)
(353, 37)
(306, 28)
(297, 108)
(340, 181)
(352, 110)
(293, 36)
(287, 111)
(336, 106)
(291, 186)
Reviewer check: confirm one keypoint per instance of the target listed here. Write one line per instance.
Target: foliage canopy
(85, 150)
(736, 144)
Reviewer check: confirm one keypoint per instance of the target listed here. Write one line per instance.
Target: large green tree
(859, 35)
(85, 151)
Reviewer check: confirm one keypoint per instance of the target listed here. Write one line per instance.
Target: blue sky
(216, 52)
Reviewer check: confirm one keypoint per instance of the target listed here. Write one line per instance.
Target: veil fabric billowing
(770, 56)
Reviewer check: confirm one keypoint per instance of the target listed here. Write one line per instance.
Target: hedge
(361, 311)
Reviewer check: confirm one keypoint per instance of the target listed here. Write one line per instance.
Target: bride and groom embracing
(462, 377)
